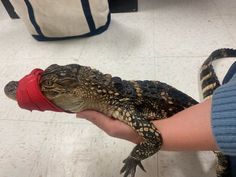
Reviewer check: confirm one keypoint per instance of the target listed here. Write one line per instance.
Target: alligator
(74, 88)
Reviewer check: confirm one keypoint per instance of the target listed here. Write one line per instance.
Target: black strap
(32, 17)
(88, 15)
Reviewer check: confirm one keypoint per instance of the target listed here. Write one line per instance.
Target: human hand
(112, 127)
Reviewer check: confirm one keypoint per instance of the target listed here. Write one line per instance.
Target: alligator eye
(48, 83)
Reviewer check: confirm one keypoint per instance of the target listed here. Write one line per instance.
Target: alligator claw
(130, 165)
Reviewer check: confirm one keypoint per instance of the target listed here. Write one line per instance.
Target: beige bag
(61, 19)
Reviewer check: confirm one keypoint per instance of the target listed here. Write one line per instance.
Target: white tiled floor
(166, 40)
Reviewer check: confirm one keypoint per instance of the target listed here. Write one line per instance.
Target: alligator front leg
(151, 144)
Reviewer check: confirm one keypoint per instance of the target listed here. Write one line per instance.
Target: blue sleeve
(224, 117)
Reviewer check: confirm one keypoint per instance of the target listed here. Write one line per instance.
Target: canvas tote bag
(62, 19)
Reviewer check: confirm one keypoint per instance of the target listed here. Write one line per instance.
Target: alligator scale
(74, 88)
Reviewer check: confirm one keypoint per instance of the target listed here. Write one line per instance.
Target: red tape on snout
(29, 95)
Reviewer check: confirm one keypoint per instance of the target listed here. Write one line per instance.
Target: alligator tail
(208, 77)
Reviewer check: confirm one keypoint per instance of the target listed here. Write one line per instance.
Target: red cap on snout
(29, 95)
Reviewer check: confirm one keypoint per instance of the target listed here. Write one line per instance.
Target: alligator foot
(130, 165)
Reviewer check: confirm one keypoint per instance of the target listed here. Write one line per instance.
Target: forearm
(188, 130)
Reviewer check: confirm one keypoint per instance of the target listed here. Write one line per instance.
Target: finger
(105, 123)
(111, 126)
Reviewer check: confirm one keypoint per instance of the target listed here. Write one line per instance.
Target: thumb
(99, 119)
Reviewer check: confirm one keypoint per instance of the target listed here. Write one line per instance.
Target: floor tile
(225, 8)
(229, 22)
(181, 164)
(20, 144)
(190, 28)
